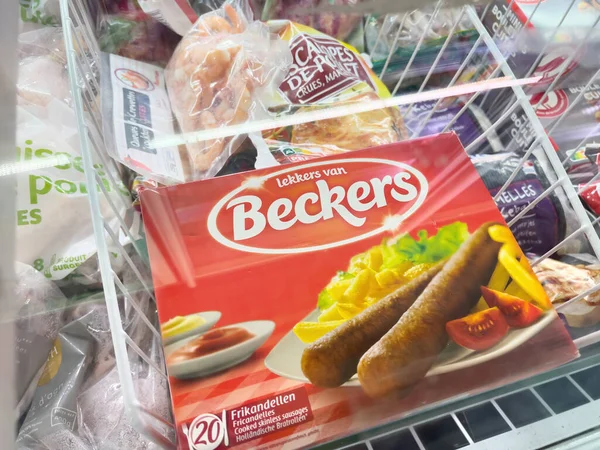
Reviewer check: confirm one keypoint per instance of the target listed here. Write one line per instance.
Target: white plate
(223, 359)
(284, 359)
(210, 318)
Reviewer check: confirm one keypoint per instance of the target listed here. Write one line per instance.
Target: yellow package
(326, 72)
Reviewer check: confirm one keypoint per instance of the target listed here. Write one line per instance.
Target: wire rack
(487, 71)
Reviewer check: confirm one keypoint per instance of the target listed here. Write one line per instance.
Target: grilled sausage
(331, 360)
(403, 356)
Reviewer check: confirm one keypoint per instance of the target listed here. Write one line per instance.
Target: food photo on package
(300, 303)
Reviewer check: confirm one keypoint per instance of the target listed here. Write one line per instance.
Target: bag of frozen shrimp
(217, 76)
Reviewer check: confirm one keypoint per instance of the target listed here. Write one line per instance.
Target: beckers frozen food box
(302, 303)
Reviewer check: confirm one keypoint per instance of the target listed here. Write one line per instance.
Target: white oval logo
(317, 206)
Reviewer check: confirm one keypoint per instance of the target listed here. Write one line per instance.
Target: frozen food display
(299, 279)
(412, 289)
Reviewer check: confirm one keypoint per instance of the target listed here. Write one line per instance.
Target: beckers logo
(133, 79)
(317, 206)
(555, 103)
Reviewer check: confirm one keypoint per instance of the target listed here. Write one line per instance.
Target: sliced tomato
(478, 331)
(519, 313)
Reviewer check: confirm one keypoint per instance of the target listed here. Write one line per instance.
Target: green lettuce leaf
(325, 300)
(432, 249)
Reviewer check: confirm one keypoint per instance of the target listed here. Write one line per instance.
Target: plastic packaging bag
(222, 72)
(326, 72)
(40, 316)
(53, 410)
(78, 403)
(563, 282)
(42, 52)
(136, 35)
(339, 26)
(383, 34)
(176, 14)
(38, 13)
(101, 412)
(54, 228)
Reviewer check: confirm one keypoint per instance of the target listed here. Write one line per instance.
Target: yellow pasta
(359, 287)
(349, 310)
(375, 258)
(330, 314)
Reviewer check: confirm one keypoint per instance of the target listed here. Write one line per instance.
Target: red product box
(302, 303)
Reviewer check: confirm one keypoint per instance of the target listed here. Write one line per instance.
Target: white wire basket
(489, 73)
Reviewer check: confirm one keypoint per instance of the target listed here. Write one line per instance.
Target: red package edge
(201, 261)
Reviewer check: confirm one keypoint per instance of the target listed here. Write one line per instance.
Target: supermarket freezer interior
(281, 224)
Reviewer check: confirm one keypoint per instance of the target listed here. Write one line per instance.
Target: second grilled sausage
(405, 354)
(332, 360)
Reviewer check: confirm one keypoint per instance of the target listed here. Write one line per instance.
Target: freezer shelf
(561, 406)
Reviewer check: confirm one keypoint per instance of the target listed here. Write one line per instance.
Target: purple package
(537, 230)
(468, 125)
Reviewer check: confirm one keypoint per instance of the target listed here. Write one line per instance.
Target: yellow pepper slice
(500, 233)
(499, 278)
(516, 290)
(523, 278)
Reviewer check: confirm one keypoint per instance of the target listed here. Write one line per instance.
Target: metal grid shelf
(514, 116)
(554, 407)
